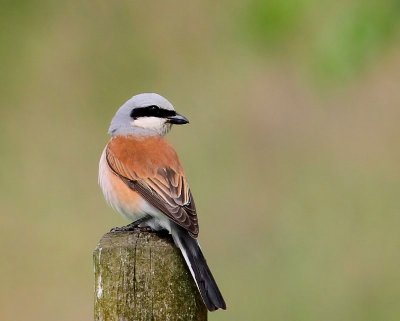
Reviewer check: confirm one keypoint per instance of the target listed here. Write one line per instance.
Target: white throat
(155, 124)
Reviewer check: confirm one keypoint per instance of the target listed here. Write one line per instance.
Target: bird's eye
(153, 107)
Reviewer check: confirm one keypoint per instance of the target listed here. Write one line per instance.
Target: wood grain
(142, 276)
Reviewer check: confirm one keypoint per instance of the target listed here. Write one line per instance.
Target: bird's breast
(121, 198)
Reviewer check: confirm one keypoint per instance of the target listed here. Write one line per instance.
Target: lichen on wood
(142, 276)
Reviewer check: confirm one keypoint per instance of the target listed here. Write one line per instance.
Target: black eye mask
(152, 111)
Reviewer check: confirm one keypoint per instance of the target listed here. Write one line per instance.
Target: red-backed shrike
(142, 178)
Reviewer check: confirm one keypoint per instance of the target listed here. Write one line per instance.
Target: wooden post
(142, 276)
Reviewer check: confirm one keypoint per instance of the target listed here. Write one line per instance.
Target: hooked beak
(177, 119)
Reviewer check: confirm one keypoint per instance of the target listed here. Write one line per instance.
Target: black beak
(177, 119)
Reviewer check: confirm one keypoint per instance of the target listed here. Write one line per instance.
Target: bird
(141, 177)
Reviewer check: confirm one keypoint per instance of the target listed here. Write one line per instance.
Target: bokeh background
(292, 151)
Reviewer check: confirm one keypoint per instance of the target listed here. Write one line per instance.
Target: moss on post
(142, 276)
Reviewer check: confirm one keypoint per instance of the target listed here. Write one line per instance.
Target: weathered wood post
(142, 276)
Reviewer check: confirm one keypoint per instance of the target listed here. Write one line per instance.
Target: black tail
(197, 264)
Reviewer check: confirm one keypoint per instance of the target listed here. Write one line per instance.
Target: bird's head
(145, 114)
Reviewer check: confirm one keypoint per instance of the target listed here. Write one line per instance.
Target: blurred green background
(292, 152)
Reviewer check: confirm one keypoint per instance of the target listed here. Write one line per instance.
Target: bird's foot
(134, 226)
(130, 227)
(144, 229)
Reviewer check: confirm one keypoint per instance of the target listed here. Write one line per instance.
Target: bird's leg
(134, 225)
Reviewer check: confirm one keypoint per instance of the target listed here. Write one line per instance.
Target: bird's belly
(121, 198)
